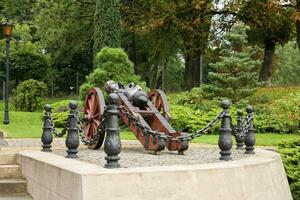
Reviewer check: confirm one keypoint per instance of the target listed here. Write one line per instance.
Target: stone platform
(134, 156)
(256, 177)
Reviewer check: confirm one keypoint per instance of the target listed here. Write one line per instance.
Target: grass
(22, 124)
(262, 139)
(29, 125)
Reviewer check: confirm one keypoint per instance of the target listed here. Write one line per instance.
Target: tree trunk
(134, 53)
(192, 71)
(266, 68)
(298, 33)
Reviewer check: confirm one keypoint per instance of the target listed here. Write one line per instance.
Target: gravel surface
(132, 157)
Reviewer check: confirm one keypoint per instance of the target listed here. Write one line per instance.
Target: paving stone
(137, 157)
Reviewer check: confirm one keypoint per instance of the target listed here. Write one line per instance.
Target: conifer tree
(107, 25)
(235, 75)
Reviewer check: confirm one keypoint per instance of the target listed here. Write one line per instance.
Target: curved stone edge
(261, 176)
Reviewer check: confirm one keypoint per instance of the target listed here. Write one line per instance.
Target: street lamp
(7, 32)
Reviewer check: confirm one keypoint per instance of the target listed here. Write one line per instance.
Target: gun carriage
(146, 115)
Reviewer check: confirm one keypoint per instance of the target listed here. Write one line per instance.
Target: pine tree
(107, 25)
(235, 75)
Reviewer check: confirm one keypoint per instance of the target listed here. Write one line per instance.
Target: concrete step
(8, 158)
(13, 187)
(10, 171)
(15, 197)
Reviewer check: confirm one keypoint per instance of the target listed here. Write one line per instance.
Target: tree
(107, 25)
(269, 24)
(287, 70)
(295, 5)
(65, 31)
(27, 59)
(234, 76)
(188, 21)
(111, 64)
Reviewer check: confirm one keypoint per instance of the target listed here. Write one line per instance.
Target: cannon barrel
(134, 93)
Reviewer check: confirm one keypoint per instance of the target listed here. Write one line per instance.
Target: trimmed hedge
(281, 115)
(290, 153)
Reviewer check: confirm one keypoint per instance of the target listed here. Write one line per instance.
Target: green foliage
(65, 31)
(288, 65)
(290, 153)
(195, 96)
(60, 111)
(276, 110)
(27, 96)
(111, 64)
(60, 119)
(279, 116)
(192, 118)
(268, 20)
(234, 76)
(107, 25)
(27, 59)
(83, 90)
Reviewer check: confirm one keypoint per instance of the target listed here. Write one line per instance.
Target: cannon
(146, 115)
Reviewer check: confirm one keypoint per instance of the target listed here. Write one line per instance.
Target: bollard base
(240, 147)
(72, 153)
(46, 148)
(112, 162)
(225, 155)
(249, 150)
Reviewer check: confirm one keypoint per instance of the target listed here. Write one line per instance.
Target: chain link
(96, 137)
(157, 134)
(54, 131)
(244, 128)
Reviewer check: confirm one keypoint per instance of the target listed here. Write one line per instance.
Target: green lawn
(29, 125)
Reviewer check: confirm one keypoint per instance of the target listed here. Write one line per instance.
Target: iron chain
(244, 128)
(54, 131)
(96, 137)
(156, 134)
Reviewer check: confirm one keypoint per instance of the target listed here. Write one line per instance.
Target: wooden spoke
(93, 112)
(159, 100)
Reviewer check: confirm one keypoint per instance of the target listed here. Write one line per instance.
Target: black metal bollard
(239, 138)
(47, 136)
(250, 136)
(112, 145)
(72, 140)
(225, 139)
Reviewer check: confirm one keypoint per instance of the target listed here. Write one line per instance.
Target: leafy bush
(111, 64)
(27, 96)
(276, 110)
(290, 153)
(191, 119)
(60, 111)
(279, 116)
(60, 119)
(195, 96)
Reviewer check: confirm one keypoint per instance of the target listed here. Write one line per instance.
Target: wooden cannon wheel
(93, 113)
(159, 100)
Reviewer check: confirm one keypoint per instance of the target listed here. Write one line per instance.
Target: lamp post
(7, 32)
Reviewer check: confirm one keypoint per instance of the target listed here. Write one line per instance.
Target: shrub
(191, 119)
(27, 96)
(279, 116)
(195, 96)
(290, 153)
(272, 112)
(111, 64)
(60, 111)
